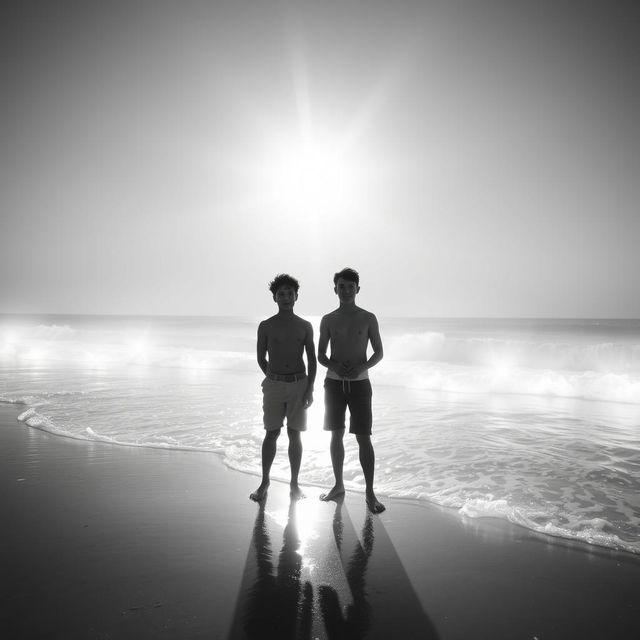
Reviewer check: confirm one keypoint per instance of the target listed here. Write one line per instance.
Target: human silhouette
(352, 625)
(274, 603)
(385, 604)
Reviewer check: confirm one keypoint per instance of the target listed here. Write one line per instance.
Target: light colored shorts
(284, 399)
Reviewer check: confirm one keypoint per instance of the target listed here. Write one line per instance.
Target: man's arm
(312, 365)
(339, 368)
(376, 343)
(261, 348)
(323, 342)
(373, 336)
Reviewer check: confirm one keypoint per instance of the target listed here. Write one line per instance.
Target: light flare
(9, 344)
(139, 349)
(501, 368)
(96, 360)
(311, 172)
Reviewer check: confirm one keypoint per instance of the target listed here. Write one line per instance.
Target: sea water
(533, 421)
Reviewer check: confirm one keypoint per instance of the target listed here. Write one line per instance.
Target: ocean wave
(504, 379)
(52, 331)
(107, 356)
(595, 531)
(619, 357)
(38, 420)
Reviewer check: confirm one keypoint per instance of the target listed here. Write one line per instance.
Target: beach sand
(103, 541)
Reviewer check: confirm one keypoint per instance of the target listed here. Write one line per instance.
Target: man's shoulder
(363, 315)
(276, 321)
(269, 324)
(331, 317)
(339, 317)
(365, 318)
(370, 315)
(303, 322)
(267, 321)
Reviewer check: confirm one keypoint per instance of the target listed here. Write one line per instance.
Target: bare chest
(349, 332)
(282, 337)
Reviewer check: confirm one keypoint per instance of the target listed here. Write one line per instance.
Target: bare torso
(283, 339)
(349, 335)
(347, 332)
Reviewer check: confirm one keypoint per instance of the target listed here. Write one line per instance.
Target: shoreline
(408, 500)
(108, 541)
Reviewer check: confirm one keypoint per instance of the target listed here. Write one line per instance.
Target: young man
(348, 330)
(287, 389)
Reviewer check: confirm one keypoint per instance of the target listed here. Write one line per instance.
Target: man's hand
(350, 371)
(307, 399)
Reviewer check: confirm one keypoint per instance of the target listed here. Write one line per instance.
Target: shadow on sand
(279, 600)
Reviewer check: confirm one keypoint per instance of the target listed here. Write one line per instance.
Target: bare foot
(336, 492)
(295, 492)
(375, 506)
(260, 493)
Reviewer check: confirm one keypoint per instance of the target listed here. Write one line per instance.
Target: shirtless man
(287, 389)
(348, 330)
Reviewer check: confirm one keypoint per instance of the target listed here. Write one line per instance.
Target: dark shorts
(355, 394)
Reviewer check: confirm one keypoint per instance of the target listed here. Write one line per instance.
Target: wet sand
(102, 541)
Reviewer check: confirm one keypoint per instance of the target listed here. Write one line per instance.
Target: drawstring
(348, 386)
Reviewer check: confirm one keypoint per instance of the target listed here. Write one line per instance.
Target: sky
(476, 159)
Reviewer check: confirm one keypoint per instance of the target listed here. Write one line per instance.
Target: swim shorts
(355, 394)
(284, 399)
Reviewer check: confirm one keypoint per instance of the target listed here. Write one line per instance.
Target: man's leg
(295, 458)
(368, 463)
(269, 445)
(337, 462)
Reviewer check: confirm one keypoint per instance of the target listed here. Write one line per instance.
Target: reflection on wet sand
(278, 604)
(345, 587)
(354, 623)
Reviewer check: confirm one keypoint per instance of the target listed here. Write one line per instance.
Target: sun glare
(311, 173)
(138, 350)
(9, 345)
(501, 368)
(304, 518)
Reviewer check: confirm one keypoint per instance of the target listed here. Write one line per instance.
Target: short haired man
(348, 331)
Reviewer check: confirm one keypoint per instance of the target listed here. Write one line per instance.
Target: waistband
(334, 376)
(346, 383)
(292, 377)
